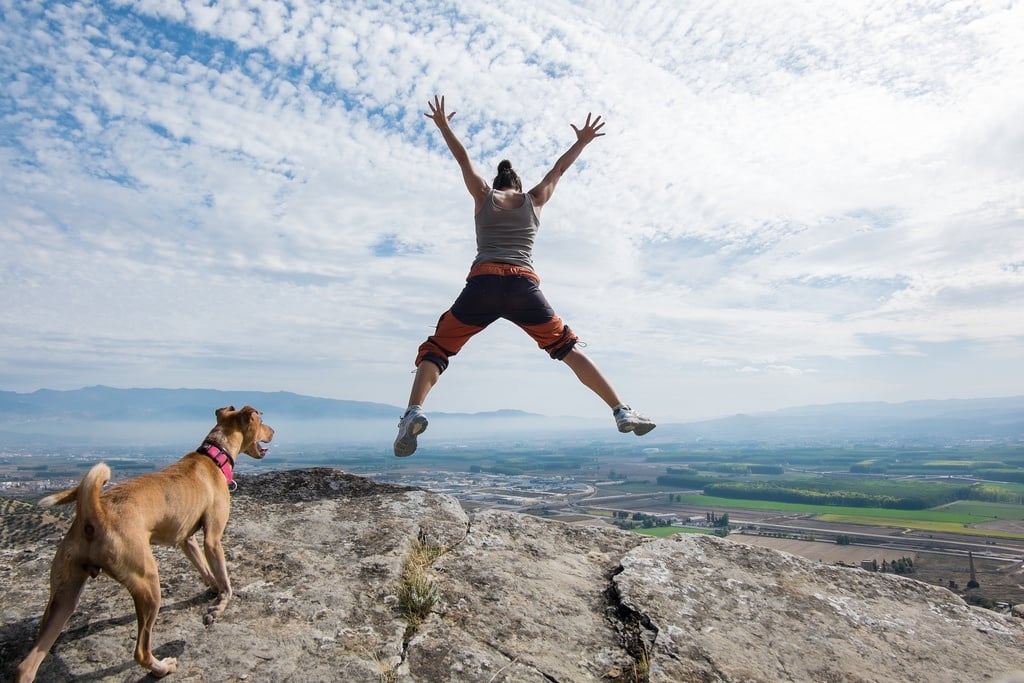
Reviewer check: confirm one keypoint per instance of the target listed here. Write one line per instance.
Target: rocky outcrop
(731, 612)
(320, 564)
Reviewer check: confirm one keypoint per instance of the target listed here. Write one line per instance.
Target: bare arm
(584, 136)
(475, 183)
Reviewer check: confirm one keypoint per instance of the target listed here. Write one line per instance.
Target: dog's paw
(214, 613)
(217, 609)
(162, 667)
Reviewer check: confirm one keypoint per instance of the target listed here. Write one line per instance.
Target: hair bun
(504, 165)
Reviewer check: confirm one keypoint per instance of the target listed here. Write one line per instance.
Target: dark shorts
(495, 291)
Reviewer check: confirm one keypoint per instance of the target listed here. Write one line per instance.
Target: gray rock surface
(731, 612)
(316, 559)
(524, 599)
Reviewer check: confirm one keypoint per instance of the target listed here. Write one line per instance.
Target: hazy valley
(940, 483)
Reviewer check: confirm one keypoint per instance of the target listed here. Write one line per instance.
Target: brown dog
(113, 529)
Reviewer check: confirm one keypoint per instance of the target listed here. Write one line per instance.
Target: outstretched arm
(475, 183)
(584, 136)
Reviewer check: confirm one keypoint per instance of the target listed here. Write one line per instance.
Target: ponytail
(507, 178)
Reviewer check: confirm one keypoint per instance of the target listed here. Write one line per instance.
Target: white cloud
(787, 193)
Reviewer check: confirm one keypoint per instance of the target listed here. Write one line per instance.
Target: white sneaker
(628, 420)
(413, 423)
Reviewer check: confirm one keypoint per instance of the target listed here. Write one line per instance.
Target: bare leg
(591, 377)
(427, 375)
(414, 422)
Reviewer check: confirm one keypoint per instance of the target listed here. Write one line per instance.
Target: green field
(954, 518)
(663, 531)
(921, 525)
(1009, 486)
(990, 511)
(632, 487)
(698, 499)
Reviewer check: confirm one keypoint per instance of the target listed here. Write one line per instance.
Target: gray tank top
(506, 235)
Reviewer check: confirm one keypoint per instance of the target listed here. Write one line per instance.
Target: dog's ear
(251, 414)
(221, 413)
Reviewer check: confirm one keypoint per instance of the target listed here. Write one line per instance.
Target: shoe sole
(406, 446)
(638, 429)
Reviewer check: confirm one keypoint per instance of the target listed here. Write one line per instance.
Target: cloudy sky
(795, 202)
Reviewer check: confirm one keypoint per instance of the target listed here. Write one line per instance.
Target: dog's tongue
(263, 449)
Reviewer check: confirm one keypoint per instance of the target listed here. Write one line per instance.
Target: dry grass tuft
(417, 593)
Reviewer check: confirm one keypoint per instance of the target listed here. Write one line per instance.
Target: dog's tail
(86, 494)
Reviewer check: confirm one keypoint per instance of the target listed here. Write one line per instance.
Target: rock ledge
(316, 560)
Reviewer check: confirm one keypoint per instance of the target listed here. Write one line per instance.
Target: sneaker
(413, 423)
(628, 420)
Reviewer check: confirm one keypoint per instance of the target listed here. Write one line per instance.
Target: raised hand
(589, 131)
(437, 112)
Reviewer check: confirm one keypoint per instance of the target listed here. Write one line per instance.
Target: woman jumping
(502, 283)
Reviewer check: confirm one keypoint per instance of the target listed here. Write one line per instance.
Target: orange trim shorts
(492, 291)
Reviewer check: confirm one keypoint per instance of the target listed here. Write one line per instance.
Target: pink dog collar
(220, 458)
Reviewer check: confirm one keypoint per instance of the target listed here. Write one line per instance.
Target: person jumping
(502, 283)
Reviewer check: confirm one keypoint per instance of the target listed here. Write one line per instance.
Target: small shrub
(416, 597)
(417, 593)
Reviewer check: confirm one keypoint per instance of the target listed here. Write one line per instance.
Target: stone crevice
(422, 538)
(636, 631)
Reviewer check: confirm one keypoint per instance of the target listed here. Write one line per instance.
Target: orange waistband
(492, 268)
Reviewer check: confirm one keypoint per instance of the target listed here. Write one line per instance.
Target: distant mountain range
(935, 422)
(106, 403)
(103, 413)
